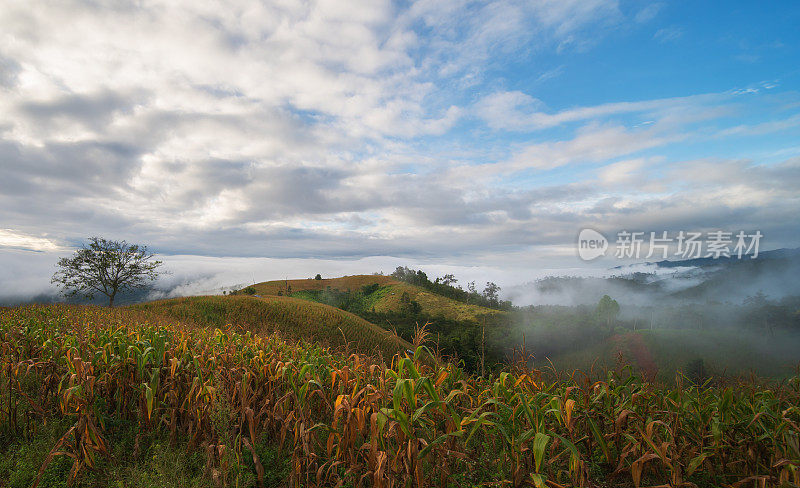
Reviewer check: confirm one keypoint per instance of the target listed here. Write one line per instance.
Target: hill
(343, 283)
(669, 283)
(385, 298)
(290, 317)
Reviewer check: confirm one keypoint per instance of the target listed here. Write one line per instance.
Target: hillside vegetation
(568, 338)
(292, 318)
(388, 295)
(344, 283)
(762, 339)
(109, 388)
(433, 304)
(460, 329)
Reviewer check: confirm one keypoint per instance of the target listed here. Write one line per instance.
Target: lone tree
(106, 267)
(608, 308)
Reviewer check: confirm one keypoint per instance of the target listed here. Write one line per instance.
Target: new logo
(591, 244)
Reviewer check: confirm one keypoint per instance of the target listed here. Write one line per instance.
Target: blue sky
(470, 136)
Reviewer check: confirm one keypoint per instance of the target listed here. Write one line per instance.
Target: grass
(344, 283)
(21, 458)
(158, 464)
(357, 302)
(290, 317)
(432, 304)
(388, 300)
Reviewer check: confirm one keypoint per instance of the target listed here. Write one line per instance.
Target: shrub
(696, 371)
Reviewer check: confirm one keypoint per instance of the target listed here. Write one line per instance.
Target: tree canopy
(445, 286)
(105, 267)
(608, 308)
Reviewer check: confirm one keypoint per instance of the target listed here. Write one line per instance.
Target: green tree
(608, 309)
(409, 306)
(491, 292)
(318, 277)
(447, 280)
(105, 267)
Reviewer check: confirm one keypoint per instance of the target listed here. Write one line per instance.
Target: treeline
(475, 344)
(469, 343)
(490, 340)
(444, 286)
(756, 313)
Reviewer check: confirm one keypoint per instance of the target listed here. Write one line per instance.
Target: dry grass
(344, 283)
(292, 318)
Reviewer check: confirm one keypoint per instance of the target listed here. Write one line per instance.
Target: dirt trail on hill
(632, 346)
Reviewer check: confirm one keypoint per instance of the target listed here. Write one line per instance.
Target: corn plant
(350, 419)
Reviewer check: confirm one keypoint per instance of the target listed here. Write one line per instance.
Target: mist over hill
(773, 274)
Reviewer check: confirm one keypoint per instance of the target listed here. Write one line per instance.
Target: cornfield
(348, 420)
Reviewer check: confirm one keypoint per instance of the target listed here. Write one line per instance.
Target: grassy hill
(344, 283)
(432, 304)
(385, 299)
(290, 317)
(567, 338)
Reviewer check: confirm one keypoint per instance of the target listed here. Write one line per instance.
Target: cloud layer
(347, 130)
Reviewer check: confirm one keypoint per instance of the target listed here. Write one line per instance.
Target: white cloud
(518, 111)
(762, 128)
(593, 143)
(12, 239)
(668, 34)
(648, 12)
(622, 172)
(314, 129)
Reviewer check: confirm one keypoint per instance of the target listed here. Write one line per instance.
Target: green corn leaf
(539, 446)
(601, 441)
(538, 480)
(696, 462)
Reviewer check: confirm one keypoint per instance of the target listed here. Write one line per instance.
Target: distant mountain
(704, 262)
(774, 273)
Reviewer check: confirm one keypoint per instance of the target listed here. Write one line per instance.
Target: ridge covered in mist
(772, 273)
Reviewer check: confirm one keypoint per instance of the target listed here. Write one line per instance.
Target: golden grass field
(343, 283)
(290, 317)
